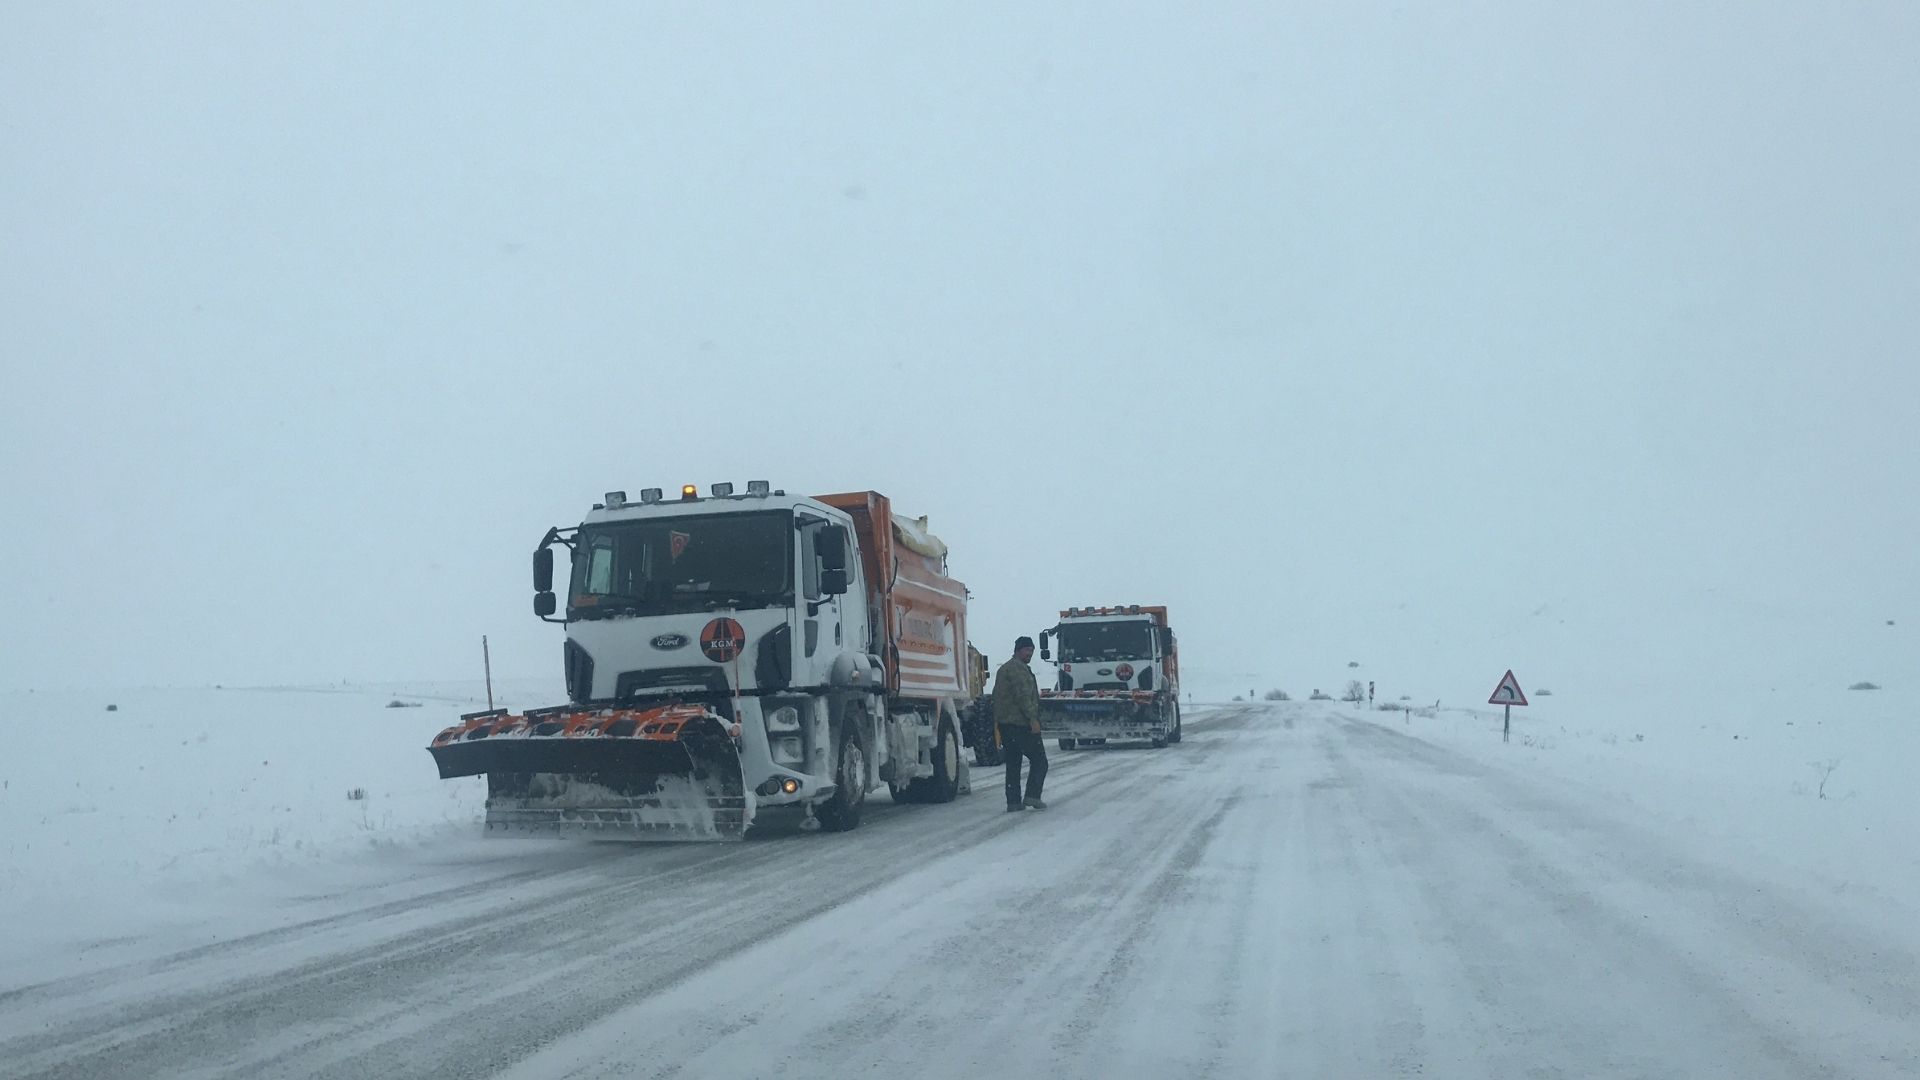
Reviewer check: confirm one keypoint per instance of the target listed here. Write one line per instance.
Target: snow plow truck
(1118, 680)
(729, 654)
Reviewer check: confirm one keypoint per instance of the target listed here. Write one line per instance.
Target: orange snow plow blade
(666, 773)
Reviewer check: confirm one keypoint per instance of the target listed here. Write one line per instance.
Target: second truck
(1118, 680)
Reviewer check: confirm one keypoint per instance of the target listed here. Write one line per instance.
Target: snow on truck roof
(682, 506)
(1134, 611)
(911, 533)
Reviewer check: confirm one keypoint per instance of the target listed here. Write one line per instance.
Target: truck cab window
(599, 575)
(685, 563)
(810, 562)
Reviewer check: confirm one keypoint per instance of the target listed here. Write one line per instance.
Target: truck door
(823, 623)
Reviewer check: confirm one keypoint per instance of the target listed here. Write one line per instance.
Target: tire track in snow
(1286, 892)
(183, 963)
(1609, 847)
(878, 972)
(1576, 947)
(582, 933)
(1092, 870)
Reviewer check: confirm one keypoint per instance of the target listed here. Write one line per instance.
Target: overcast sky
(1349, 331)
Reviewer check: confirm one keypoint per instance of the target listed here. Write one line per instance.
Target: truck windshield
(680, 564)
(1087, 642)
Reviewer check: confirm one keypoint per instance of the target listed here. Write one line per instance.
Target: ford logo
(670, 641)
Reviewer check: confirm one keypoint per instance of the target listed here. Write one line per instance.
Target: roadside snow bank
(114, 822)
(1818, 783)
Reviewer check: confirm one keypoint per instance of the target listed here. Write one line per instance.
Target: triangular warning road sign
(1508, 692)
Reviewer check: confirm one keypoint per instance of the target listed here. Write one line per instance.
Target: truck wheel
(841, 811)
(986, 752)
(1159, 743)
(1067, 744)
(944, 785)
(1175, 737)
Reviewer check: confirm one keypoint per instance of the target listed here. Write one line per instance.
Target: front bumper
(1114, 715)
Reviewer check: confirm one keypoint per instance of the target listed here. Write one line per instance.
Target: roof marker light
(689, 492)
(616, 499)
(721, 491)
(758, 487)
(649, 495)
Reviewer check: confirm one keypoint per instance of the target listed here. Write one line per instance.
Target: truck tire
(840, 812)
(979, 721)
(944, 785)
(1067, 744)
(1175, 737)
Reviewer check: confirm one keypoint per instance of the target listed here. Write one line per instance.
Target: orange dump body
(920, 612)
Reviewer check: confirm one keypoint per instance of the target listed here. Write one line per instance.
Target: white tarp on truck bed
(913, 533)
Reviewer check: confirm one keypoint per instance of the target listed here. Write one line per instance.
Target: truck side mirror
(1045, 653)
(543, 570)
(543, 603)
(833, 582)
(831, 544)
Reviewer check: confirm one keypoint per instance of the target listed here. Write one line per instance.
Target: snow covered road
(1292, 891)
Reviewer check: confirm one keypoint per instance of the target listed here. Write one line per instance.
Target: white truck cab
(1118, 677)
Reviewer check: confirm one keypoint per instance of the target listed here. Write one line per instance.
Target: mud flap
(963, 779)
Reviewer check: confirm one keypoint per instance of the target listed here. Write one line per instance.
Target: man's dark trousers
(1021, 742)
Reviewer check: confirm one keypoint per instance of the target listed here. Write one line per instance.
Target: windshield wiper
(744, 600)
(604, 604)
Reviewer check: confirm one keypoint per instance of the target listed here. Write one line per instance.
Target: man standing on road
(1016, 712)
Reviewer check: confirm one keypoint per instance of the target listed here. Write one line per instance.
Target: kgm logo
(722, 640)
(670, 641)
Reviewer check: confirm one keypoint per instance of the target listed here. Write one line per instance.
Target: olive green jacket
(1016, 696)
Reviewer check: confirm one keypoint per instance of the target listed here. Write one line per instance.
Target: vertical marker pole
(487, 659)
(1506, 726)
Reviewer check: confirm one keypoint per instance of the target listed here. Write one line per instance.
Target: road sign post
(1509, 694)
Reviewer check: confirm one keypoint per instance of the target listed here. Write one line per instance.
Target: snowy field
(1818, 784)
(1628, 888)
(185, 812)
